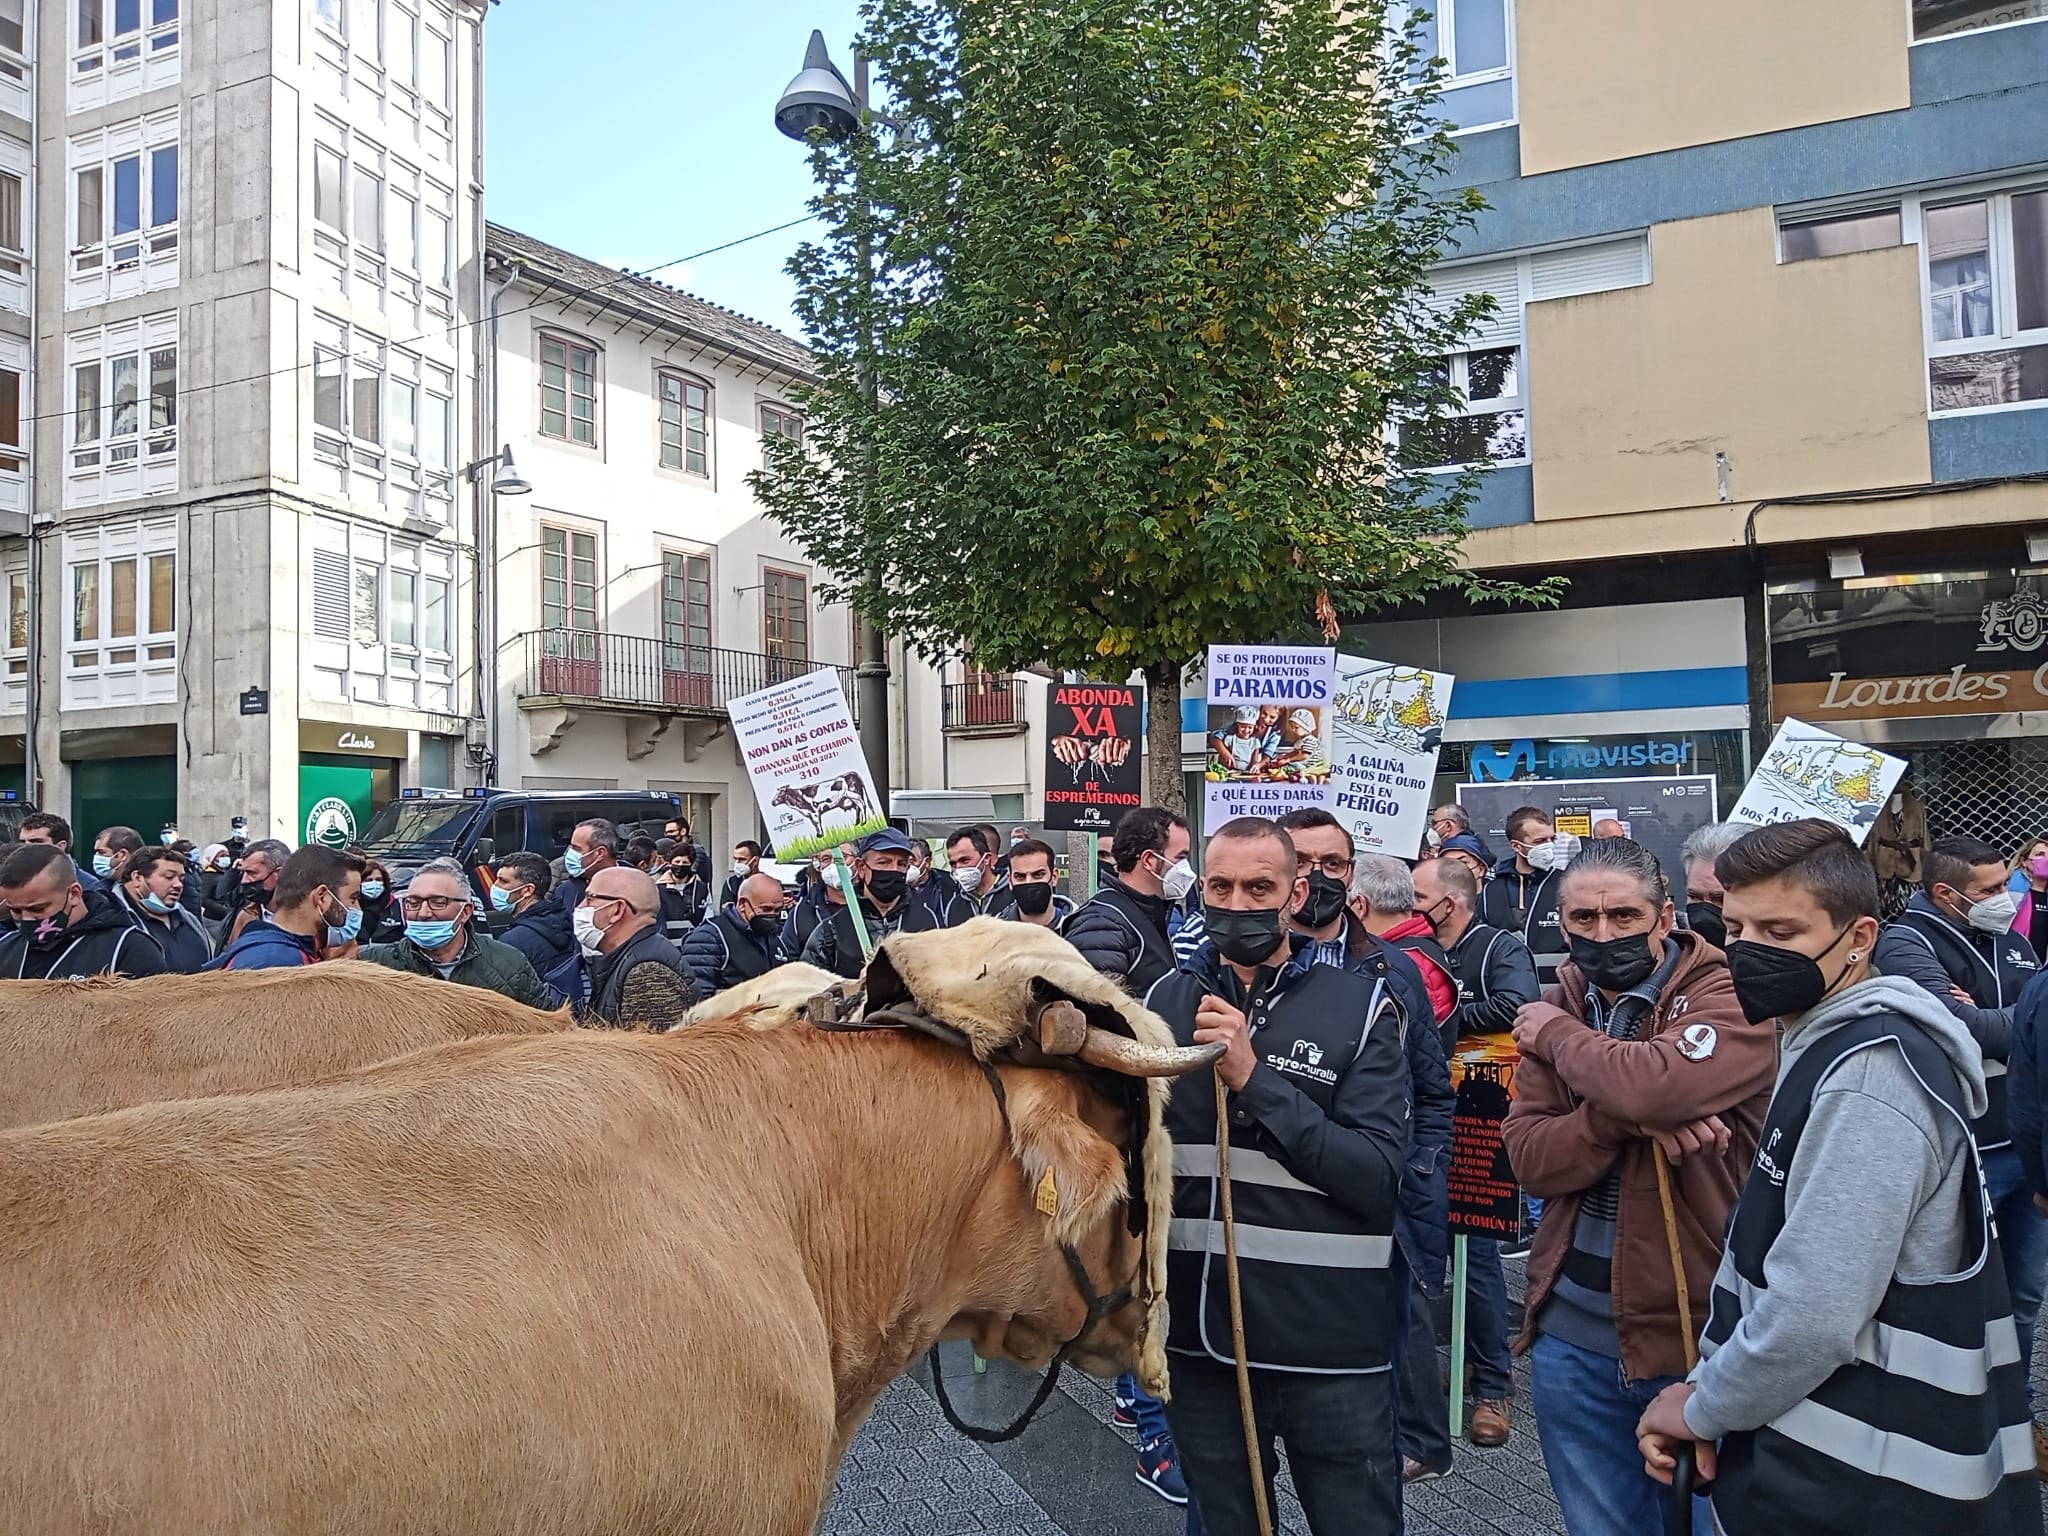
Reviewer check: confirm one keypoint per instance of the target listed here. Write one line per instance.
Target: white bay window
(123, 219)
(383, 422)
(120, 49)
(382, 611)
(120, 614)
(121, 425)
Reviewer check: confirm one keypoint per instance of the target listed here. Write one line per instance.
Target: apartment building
(1768, 381)
(238, 268)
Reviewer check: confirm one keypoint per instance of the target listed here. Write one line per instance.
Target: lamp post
(820, 99)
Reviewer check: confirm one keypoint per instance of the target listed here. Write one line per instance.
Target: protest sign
(1094, 766)
(809, 776)
(1267, 747)
(1484, 1199)
(1386, 729)
(1812, 772)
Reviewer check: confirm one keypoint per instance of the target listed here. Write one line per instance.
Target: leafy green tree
(1122, 325)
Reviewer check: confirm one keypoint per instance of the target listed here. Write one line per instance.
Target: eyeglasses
(431, 906)
(1335, 865)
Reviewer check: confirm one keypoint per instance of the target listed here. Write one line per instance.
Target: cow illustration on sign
(846, 795)
(1843, 781)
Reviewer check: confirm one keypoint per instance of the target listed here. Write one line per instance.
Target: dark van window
(508, 829)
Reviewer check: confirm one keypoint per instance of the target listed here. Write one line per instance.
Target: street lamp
(821, 100)
(507, 481)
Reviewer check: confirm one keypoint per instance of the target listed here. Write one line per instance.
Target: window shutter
(1448, 285)
(330, 595)
(1590, 268)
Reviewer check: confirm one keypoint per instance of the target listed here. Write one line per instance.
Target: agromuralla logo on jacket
(1303, 1059)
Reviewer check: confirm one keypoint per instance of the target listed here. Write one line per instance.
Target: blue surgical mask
(501, 898)
(156, 903)
(572, 861)
(373, 889)
(430, 933)
(350, 927)
(102, 865)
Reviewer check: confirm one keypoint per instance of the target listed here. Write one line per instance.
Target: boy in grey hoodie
(1860, 1370)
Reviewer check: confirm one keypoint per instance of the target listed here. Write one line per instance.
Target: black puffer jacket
(1122, 932)
(104, 941)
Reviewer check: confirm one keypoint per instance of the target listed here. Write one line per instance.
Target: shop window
(1951, 18)
(1986, 262)
(121, 611)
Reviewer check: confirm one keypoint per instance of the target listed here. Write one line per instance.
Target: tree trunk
(1162, 737)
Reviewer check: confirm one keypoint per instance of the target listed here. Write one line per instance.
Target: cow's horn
(1119, 1054)
(1062, 1028)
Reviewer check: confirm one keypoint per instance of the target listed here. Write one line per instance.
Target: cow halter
(1099, 1306)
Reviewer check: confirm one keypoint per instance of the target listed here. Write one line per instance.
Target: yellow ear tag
(1048, 1199)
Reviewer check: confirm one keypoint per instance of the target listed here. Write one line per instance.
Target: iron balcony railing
(632, 671)
(991, 702)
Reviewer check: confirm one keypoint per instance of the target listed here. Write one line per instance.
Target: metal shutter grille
(330, 595)
(1499, 278)
(1590, 269)
(1995, 789)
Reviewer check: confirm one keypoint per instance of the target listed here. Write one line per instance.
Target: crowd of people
(1785, 1162)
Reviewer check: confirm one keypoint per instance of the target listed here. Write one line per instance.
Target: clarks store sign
(1967, 646)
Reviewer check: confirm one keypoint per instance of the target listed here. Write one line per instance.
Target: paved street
(910, 1474)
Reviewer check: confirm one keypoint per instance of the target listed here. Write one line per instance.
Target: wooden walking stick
(1678, 1513)
(1244, 1373)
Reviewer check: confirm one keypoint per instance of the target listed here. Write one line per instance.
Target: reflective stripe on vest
(1277, 1245)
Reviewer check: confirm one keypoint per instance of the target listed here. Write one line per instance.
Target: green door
(138, 792)
(336, 799)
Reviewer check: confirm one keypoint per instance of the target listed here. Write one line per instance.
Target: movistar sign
(1499, 762)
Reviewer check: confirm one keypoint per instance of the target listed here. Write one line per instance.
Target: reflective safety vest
(1317, 1278)
(1993, 980)
(1927, 1429)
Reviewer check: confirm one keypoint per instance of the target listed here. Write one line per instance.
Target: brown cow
(79, 1047)
(589, 1284)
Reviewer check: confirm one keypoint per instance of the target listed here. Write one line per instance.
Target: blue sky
(636, 131)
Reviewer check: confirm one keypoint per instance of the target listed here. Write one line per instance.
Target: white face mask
(1178, 880)
(588, 934)
(742, 868)
(1434, 838)
(1555, 854)
(1995, 914)
(969, 878)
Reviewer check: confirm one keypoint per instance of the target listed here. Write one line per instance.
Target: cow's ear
(1051, 1133)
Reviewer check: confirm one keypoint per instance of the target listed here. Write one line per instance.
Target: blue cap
(888, 840)
(1464, 842)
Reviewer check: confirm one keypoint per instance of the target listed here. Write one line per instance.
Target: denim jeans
(1486, 1320)
(1339, 1433)
(1586, 1420)
(2022, 1244)
(1422, 1414)
(1150, 1411)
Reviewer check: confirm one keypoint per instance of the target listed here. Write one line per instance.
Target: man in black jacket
(1122, 929)
(1495, 977)
(1521, 894)
(151, 887)
(538, 928)
(741, 940)
(882, 873)
(746, 860)
(62, 932)
(1317, 1108)
(1955, 940)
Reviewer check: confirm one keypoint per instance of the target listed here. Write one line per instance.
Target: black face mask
(1034, 900)
(1705, 919)
(1325, 904)
(1775, 983)
(1614, 965)
(1244, 938)
(887, 885)
(44, 932)
(765, 924)
(256, 891)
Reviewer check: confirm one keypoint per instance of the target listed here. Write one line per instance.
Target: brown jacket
(1581, 1100)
